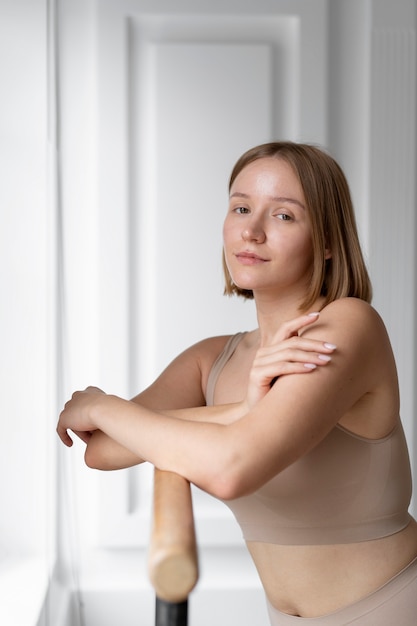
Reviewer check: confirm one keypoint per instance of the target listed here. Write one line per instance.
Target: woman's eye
(284, 217)
(241, 210)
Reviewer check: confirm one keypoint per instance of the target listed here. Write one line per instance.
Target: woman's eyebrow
(291, 200)
(239, 194)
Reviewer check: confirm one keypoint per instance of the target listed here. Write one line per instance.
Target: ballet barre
(173, 560)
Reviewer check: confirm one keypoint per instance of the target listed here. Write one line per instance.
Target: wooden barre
(173, 561)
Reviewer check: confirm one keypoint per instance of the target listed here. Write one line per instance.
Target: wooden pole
(173, 562)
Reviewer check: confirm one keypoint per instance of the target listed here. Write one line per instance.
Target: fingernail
(310, 366)
(330, 346)
(325, 357)
(314, 314)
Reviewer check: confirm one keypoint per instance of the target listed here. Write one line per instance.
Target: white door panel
(175, 97)
(183, 95)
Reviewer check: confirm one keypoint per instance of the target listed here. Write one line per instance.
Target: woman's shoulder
(185, 377)
(355, 321)
(208, 349)
(351, 323)
(350, 303)
(353, 308)
(363, 342)
(212, 344)
(205, 351)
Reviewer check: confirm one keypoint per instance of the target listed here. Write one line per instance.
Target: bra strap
(219, 364)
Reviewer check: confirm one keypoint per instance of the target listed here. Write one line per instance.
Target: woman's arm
(183, 382)
(294, 416)
(180, 385)
(104, 453)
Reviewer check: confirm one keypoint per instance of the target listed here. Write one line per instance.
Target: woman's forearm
(104, 453)
(193, 449)
(219, 414)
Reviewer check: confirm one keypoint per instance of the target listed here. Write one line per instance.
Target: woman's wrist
(103, 407)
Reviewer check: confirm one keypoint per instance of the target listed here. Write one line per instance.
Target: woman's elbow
(92, 459)
(104, 458)
(95, 457)
(229, 483)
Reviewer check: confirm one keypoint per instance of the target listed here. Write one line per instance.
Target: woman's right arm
(181, 385)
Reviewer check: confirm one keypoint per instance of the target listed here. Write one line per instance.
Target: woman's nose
(253, 232)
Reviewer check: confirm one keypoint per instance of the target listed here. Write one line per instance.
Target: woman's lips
(249, 258)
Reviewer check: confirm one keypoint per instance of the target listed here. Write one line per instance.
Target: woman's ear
(327, 253)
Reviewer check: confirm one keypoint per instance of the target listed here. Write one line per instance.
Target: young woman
(295, 424)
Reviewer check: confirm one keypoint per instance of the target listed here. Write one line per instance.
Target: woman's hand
(288, 354)
(77, 415)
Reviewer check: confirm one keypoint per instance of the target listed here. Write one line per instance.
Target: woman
(295, 424)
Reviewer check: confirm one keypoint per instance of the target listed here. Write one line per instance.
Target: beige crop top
(347, 489)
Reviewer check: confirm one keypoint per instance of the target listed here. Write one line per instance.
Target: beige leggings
(393, 604)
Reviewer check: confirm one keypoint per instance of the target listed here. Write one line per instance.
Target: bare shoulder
(362, 341)
(351, 318)
(207, 350)
(203, 352)
(359, 333)
(354, 308)
(365, 353)
(182, 382)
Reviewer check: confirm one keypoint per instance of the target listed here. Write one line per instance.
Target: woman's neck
(272, 313)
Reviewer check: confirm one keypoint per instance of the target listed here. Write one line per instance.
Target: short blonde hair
(333, 223)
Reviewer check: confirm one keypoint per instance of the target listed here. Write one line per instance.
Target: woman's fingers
(296, 349)
(289, 353)
(63, 435)
(295, 355)
(76, 415)
(292, 327)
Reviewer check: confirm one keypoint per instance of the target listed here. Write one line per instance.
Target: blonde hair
(333, 223)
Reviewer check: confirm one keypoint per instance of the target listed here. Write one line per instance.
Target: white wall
(372, 131)
(27, 322)
(26, 248)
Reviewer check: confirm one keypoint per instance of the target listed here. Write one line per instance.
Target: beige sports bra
(347, 489)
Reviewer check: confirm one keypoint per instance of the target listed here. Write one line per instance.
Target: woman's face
(267, 230)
